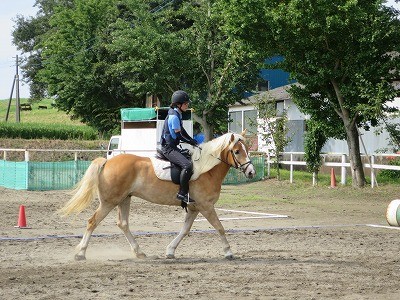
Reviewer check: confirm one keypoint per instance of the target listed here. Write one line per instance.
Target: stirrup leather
(185, 198)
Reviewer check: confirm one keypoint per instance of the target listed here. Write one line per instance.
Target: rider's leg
(186, 165)
(183, 193)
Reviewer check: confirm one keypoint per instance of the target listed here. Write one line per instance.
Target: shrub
(46, 131)
(391, 174)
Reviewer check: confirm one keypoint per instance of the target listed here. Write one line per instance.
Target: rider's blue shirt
(174, 123)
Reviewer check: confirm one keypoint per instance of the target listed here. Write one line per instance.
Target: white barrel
(393, 213)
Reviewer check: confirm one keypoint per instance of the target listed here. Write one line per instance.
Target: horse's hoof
(229, 257)
(79, 257)
(141, 255)
(170, 256)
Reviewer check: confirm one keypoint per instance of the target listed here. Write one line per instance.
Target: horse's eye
(237, 152)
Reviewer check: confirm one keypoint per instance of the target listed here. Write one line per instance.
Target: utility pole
(16, 85)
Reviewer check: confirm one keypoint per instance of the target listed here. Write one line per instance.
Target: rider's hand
(194, 143)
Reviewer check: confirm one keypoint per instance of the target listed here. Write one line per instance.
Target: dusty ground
(323, 251)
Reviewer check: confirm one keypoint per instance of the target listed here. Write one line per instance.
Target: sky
(9, 9)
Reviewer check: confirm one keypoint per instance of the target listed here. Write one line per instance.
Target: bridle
(237, 165)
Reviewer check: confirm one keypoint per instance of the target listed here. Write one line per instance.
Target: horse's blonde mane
(210, 153)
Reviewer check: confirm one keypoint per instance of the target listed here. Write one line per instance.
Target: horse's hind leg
(101, 212)
(212, 217)
(189, 219)
(123, 224)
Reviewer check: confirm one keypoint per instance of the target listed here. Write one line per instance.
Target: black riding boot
(183, 194)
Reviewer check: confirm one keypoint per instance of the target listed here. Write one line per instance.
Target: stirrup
(185, 198)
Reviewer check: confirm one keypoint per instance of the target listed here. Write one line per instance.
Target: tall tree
(99, 56)
(76, 64)
(27, 36)
(344, 54)
(183, 46)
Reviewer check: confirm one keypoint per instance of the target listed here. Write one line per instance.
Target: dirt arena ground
(325, 249)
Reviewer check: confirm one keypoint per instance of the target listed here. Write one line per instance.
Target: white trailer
(141, 130)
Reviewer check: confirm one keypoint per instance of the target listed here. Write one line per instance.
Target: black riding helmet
(180, 97)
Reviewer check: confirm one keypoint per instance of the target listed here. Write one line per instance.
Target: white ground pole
(257, 215)
(382, 226)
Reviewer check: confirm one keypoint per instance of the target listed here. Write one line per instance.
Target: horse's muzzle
(249, 171)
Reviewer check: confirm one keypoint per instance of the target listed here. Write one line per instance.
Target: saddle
(166, 170)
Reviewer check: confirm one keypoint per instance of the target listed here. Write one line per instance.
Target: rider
(173, 133)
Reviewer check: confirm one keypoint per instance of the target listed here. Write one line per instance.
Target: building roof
(278, 94)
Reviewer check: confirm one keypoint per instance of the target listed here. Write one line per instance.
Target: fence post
(76, 179)
(372, 171)
(5, 155)
(26, 155)
(291, 167)
(343, 170)
(27, 169)
(268, 166)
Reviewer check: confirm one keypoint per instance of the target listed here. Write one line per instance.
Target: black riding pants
(174, 156)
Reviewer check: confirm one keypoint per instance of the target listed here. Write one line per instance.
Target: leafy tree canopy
(99, 56)
(344, 55)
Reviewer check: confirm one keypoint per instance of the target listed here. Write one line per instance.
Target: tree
(75, 63)
(99, 56)
(313, 142)
(184, 47)
(344, 54)
(27, 36)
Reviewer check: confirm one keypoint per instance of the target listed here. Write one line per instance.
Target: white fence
(27, 152)
(342, 162)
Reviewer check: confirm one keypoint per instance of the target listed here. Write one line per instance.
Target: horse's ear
(232, 137)
(244, 132)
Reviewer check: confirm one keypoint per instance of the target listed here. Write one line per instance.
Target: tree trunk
(208, 130)
(356, 166)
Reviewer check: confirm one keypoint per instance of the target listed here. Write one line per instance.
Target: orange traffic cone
(333, 178)
(22, 218)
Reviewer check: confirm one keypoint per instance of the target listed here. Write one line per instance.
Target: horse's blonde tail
(85, 190)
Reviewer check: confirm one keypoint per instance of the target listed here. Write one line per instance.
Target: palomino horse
(125, 175)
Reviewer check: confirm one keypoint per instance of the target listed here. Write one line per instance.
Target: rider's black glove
(194, 143)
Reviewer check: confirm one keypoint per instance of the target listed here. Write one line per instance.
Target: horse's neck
(219, 172)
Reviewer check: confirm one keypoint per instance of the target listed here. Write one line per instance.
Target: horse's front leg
(212, 217)
(189, 219)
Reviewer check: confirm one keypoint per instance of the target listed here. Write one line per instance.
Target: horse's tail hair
(85, 190)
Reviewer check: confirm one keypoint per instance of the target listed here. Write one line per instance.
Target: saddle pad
(162, 168)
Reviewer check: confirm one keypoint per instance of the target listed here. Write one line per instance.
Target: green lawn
(44, 116)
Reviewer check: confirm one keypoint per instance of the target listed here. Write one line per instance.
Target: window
(280, 107)
(236, 124)
(243, 120)
(250, 121)
(113, 143)
(263, 85)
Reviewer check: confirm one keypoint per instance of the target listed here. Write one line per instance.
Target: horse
(116, 180)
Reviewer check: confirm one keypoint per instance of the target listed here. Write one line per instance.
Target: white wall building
(244, 114)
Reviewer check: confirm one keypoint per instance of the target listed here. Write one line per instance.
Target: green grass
(43, 116)
(302, 177)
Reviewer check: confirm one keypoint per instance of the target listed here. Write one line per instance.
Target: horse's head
(238, 155)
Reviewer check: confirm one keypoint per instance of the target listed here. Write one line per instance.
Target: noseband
(237, 165)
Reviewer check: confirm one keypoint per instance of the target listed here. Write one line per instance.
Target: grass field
(44, 116)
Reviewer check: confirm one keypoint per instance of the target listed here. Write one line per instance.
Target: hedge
(46, 131)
